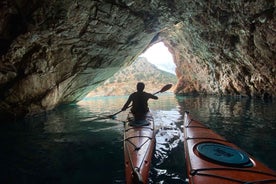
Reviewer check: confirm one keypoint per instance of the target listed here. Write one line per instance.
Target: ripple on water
(169, 142)
(71, 145)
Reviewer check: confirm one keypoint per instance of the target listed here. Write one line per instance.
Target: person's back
(139, 101)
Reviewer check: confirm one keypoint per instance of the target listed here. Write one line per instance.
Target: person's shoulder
(147, 93)
(133, 94)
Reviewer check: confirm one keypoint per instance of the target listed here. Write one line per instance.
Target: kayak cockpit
(139, 119)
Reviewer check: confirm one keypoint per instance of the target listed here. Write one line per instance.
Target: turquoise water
(71, 144)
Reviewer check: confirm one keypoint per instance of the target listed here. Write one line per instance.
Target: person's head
(140, 86)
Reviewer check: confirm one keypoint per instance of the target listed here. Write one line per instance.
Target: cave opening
(160, 56)
(155, 67)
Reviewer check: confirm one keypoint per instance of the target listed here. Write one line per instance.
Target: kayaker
(139, 101)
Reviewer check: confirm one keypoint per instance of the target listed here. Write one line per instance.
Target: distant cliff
(124, 81)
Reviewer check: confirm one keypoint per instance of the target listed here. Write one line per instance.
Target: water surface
(71, 144)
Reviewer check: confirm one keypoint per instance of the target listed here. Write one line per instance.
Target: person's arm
(152, 96)
(127, 103)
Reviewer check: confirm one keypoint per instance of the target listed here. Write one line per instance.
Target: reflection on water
(74, 144)
(251, 124)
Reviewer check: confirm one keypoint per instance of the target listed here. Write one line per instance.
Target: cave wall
(226, 48)
(67, 48)
(55, 51)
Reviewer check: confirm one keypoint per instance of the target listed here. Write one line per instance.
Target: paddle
(165, 88)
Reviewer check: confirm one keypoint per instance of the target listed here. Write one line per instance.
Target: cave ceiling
(56, 51)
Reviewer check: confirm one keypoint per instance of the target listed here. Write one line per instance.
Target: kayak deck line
(142, 159)
(200, 138)
(139, 143)
(138, 167)
(135, 175)
(136, 148)
(245, 171)
(211, 158)
(195, 171)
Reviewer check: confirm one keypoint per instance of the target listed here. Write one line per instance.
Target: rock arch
(66, 48)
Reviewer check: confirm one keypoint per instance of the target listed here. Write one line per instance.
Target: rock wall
(56, 51)
(67, 48)
(226, 47)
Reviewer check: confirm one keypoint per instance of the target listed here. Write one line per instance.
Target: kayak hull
(139, 144)
(212, 159)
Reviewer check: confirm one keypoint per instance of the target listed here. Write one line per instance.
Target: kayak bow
(139, 142)
(212, 159)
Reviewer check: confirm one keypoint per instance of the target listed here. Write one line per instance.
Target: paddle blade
(165, 88)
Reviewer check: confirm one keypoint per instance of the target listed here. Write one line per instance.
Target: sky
(160, 56)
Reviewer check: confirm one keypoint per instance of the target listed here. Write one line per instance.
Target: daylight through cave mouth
(160, 56)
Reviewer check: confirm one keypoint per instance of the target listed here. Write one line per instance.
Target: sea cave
(55, 52)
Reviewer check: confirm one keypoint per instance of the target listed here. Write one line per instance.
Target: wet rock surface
(55, 51)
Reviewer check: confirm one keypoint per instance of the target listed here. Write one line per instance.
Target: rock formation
(124, 81)
(56, 51)
(226, 47)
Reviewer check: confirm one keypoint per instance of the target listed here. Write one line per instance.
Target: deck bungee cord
(139, 142)
(212, 159)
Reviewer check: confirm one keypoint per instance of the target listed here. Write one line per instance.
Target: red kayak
(139, 143)
(211, 159)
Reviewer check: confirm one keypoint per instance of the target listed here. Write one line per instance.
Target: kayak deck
(139, 143)
(212, 159)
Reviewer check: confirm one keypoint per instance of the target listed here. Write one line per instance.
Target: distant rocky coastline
(124, 81)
